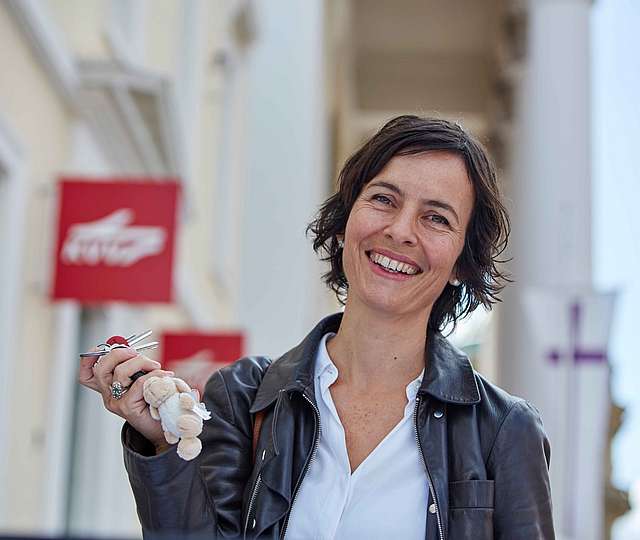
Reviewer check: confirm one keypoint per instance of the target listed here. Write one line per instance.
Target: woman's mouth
(392, 267)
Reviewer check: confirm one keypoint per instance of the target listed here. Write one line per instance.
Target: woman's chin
(386, 305)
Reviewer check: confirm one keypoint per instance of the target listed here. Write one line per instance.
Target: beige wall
(163, 32)
(40, 121)
(82, 22)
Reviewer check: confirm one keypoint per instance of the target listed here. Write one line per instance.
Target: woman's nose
(401, 229)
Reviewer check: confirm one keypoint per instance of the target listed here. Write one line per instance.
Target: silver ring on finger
(117, 390)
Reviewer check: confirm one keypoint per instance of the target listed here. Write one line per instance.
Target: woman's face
(415, 211)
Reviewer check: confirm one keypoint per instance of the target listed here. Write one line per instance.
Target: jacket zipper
(254, 493)
(316, 440)
(424, 462)
(256, 487)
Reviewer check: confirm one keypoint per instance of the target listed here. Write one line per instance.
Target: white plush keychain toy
(172, 401)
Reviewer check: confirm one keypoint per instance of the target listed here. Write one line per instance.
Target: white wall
(286, 175)
(551, 249)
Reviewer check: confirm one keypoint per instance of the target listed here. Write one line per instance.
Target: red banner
(195, 356)
(115, 240)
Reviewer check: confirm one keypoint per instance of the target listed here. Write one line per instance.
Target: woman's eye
(437, 218)
(382, 198)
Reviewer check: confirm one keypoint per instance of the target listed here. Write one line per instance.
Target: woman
(374, 426)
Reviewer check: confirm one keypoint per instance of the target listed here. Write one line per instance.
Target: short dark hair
(487, 233)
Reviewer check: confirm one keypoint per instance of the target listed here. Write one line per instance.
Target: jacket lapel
(449, 378)
(449, 374)
(294, 369)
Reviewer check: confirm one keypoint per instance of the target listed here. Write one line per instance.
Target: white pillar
(101, 502)
(13, 191)
(552, 176)
(551, 250)
(286, 174)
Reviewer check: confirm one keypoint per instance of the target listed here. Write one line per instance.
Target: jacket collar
(449, 375)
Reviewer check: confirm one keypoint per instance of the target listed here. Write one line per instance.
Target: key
(115, 342)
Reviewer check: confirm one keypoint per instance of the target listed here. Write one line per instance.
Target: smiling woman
(452, 163)
(417, 215)
(374, 426)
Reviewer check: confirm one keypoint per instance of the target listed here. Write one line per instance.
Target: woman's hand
(119, 365)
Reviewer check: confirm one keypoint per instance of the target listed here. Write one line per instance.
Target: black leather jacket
(485, 452)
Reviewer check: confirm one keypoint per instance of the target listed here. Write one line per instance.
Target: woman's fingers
(133, 408)
(98, 373)
(123, 371)
(86, 374)
(104, 368)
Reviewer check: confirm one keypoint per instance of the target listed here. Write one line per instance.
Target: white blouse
(386, 497)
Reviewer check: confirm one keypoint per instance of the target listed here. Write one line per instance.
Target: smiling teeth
(393, 265)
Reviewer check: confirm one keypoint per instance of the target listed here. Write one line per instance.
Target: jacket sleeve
(519, 463)
(201, 498)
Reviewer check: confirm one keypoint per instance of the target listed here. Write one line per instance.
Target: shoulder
(248, 370)
(233, 388)
(494, 400)
(507, 419)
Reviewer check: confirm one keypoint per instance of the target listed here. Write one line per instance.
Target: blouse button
(432, 508)
(438, 414)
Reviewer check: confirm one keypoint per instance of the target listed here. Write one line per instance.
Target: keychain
(119, 342)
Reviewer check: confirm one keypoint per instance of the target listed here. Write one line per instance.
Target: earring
(340, 243)
(455, 282)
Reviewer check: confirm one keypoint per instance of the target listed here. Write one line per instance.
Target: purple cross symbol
(577, 354)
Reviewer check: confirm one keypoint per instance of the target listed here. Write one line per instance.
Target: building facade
(112, 89)
(254, 106)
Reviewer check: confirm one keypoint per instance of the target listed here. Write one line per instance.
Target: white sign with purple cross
(570, 332)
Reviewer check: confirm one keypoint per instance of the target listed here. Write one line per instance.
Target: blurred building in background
(254, 106)
(518, 75)
(213, 93)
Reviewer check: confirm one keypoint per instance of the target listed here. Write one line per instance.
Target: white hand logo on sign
(112, 241)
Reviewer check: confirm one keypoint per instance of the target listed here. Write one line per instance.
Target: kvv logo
(112, 241)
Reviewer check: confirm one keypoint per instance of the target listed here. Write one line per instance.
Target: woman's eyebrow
(425, 202)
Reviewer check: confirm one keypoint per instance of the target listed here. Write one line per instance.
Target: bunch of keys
(119, 342)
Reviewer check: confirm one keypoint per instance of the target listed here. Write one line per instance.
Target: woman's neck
(378, 352)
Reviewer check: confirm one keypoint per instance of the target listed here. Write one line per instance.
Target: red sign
(195, 356)
(115, 240)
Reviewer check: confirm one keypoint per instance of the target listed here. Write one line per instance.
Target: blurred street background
(160, 160)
